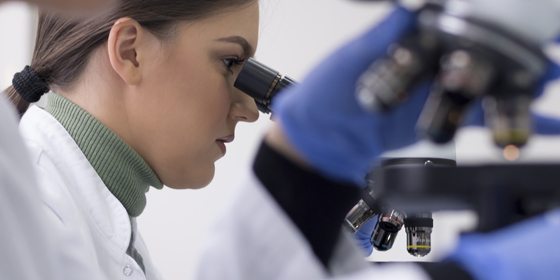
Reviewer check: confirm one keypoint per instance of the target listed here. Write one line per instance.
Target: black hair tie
(30, 85)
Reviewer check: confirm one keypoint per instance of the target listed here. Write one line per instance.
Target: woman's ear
(123, 47)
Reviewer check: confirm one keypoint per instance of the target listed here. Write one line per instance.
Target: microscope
(489, 50)
(470, 49)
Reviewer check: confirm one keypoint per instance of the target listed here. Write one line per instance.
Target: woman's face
(186, 107)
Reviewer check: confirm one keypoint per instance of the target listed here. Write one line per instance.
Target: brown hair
(64, 44)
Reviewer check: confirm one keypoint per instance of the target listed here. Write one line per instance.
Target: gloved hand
(363, 235)
(323, 122)
(527, 250)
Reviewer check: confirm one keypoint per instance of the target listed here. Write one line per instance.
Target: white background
(295, 36)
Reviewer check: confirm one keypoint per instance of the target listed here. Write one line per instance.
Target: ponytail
(16, 99)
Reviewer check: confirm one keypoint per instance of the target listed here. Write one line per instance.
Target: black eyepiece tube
(261, 83)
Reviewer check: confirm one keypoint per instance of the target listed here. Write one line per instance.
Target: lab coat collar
(41, 129)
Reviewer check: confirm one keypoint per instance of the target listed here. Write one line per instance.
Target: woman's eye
(232, 62)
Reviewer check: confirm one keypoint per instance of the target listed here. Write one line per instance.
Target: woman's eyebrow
(247, 48)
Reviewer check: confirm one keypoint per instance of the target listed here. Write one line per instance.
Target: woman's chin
(195, 181)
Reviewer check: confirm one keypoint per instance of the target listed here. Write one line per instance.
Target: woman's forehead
(239, 22)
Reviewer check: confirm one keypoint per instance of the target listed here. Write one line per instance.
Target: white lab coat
(94, 226)
(255, 239)
(28, 249)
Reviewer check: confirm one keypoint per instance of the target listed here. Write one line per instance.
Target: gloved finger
(495, 255)
(546, 125)
(354, 58)
(400, 124)
(474, 115)
(552, 73)
(557, 39)
(339, 73)
(363, 235)
(366, 246)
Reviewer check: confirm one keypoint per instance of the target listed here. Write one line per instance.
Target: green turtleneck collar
(122, 170)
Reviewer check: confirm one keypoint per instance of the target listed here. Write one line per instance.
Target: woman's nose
(243, 108)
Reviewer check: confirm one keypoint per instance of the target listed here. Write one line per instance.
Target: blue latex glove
(527, 250)
(324, 123)
(363, 235)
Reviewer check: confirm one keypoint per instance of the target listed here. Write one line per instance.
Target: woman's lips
(221, 142)
(222, 146)
(227, 139)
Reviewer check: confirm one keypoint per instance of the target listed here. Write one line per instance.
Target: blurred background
(295, 36)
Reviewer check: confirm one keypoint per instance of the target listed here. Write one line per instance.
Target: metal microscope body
(471, 50)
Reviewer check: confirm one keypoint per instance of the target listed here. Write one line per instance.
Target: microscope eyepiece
(261, 83)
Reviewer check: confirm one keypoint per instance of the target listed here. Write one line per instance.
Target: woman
(143, 96)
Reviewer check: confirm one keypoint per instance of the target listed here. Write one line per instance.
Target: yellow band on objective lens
(419, 247)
